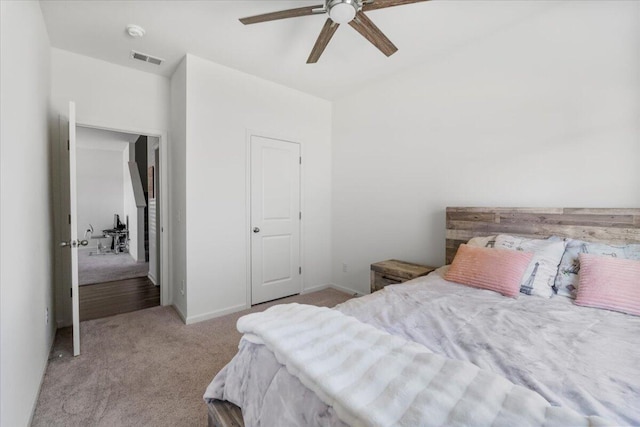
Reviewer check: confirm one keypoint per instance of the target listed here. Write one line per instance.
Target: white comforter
(579, 358)
(373, 378)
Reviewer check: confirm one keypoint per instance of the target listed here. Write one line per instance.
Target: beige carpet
(108, 267)
(144, 368)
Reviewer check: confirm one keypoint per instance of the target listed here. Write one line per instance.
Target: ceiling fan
(340, 12)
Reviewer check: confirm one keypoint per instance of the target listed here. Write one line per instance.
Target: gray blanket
(581, 358)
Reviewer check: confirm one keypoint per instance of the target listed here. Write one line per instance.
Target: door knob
(83, 242)
(65, 244)
(256, 230)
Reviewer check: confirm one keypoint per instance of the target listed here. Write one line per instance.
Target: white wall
(178, 190)
(100, 190)
(26, 260)
(221, 105)
(106, 95)
(543, 113)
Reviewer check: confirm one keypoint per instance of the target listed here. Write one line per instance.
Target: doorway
(276, 269)
(66, 261)
(114, 192)
(66, 217)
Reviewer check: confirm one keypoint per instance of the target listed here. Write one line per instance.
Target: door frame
(248, 135)
(165, 283)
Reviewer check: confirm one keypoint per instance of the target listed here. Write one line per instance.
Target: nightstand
(392, 271)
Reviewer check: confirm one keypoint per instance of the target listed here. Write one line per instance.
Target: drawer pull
(391, 279)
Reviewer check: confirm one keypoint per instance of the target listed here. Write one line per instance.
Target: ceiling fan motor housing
(343, 11)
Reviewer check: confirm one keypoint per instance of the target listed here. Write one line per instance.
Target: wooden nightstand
(392, 271)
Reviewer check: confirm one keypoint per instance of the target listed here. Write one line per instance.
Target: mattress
(580, 358)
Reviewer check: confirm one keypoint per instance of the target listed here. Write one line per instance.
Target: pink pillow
(498, 270)
(609, 283)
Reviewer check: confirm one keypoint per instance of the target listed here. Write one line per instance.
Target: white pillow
(482, 242)
(540, 275)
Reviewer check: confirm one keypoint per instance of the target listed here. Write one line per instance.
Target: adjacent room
(117, 258)
(333, 212)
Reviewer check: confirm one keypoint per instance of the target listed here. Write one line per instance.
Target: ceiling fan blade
(283, 14)
(362, 24)
(381, 4)
(327, 32)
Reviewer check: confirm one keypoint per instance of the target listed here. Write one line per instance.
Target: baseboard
(63, 324)
(190, 320)
(180, 313)
(153, 279)
(213, 314)
(332, 286)
(346, 290)
(315, 289)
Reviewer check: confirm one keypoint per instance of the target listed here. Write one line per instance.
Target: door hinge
(299, 270)
(300, 159)
(300, 216)
(68, 145)
(69, 219)
(71, 292)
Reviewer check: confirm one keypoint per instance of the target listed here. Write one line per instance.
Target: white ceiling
(276, 50)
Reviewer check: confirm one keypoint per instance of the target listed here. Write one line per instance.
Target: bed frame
(224, 414)
(608, 225)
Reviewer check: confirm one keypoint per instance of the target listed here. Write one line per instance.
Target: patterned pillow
(566, 282)
(539, 277)
(483, 241)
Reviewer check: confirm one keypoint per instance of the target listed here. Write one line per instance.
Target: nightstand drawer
(392, 272)
(380, 280)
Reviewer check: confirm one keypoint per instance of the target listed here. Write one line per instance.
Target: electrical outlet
(182, 287)
(46, 316)
(345, 267)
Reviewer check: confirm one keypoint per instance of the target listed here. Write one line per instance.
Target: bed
(579, 359)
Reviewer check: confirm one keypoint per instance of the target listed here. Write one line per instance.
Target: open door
(73, 241)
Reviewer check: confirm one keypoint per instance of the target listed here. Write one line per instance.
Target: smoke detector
(135, 31)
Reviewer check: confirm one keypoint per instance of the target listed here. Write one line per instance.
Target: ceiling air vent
(145, 58)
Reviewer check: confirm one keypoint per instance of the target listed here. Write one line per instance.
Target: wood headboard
(609, 225)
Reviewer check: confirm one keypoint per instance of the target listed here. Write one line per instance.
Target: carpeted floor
(108, 267)
(144, 368)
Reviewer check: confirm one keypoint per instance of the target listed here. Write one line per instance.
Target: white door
(73, 243)
(275, 219)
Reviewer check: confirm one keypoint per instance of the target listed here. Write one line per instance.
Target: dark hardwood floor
(120, 296)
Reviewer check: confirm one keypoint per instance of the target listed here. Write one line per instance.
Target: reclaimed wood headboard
(607, 225)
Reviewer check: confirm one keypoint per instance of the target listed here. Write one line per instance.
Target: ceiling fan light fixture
(342, 11)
